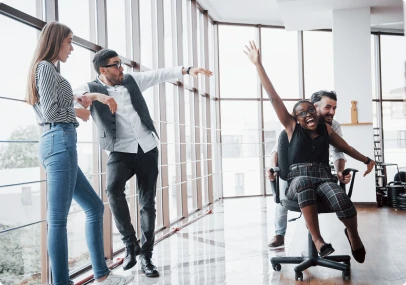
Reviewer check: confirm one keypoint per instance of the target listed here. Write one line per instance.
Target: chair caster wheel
(276, 267)
(346, 275)
(299, 275)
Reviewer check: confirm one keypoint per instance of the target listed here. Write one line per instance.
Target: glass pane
(20, 127)
(170, 56)
(147, 50)
(280, 59)
(394, 128)
(240, 148)
(234, 64)
(19, 163)
(77, 15)
(21, 204)
(318, 62)
(17, 61)
(118, 15)
(393, 67)
(32, 7)
(20, 252)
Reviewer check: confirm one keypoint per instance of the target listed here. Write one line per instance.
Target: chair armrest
(275, 185)
(346, 172)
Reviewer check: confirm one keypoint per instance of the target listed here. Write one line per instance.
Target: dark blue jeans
(120, 168)
(65, 180)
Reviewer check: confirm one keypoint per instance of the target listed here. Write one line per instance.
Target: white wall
(352, 81)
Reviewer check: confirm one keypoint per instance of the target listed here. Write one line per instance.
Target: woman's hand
(83, 114)
(370, 166)
(107, 100)
(252, 52)
(83, 100)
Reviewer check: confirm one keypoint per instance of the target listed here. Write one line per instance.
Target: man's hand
(109, 101)
(252, 52)
(83, 114)
(270, 176)
(194, 71)
(83, 100)
(344, 179)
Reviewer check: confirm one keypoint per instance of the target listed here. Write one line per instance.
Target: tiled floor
(229, 246)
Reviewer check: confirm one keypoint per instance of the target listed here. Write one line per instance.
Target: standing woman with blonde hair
(52, 98)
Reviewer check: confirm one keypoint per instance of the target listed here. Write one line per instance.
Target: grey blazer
(106, 121)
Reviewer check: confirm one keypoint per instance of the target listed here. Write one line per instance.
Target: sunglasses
(304, 114)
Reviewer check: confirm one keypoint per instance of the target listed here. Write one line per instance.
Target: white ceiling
(302, 14)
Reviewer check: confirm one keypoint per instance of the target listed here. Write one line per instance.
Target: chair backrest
(283, 151)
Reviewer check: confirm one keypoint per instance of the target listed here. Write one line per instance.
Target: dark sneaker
(277, 241)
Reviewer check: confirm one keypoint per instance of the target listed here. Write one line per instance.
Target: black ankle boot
(132, 251)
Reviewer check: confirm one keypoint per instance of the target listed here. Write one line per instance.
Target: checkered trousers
(312, 182)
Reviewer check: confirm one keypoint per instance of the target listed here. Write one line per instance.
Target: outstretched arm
(342, 145)
(287, 120)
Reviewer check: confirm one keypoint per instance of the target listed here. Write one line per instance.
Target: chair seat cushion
(294, 206)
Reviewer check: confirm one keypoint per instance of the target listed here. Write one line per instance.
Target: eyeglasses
(303, 114)
(118, 65)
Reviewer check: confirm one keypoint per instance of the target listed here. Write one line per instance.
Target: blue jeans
(65, 180)
(281, 220)
(281, 213)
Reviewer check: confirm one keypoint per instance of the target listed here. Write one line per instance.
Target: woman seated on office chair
(309, 175)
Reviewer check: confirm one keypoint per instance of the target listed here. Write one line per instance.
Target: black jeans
(121, 167)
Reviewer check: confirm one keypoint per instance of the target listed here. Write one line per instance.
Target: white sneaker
(116, 280)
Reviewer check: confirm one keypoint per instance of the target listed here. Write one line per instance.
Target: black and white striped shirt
(55, 103)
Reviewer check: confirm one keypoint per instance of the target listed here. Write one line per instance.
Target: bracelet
(188, 70)
(368, 160)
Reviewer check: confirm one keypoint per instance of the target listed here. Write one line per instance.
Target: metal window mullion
(218, 108)
(196, 104)
(51, 10)
(177, 44)
(260, 119)
(158, 18)
(209, 150)
(101, 23)
(378, 86)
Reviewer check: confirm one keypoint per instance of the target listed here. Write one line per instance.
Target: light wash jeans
(65, 180)
(281, 213)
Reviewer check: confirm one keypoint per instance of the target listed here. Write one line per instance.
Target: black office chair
(312, 259)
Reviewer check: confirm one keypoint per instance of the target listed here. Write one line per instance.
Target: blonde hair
(49, 44)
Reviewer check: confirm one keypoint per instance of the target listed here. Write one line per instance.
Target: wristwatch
(188, 70)
(368, 160)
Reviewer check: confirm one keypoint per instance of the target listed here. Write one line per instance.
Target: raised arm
(287, 120)
(342, 145)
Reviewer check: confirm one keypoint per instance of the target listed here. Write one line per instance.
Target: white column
(352, 81)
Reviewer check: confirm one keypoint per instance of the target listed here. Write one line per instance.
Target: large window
(393, 96)
(318, 62)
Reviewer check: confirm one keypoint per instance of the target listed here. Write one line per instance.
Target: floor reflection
(228, 246)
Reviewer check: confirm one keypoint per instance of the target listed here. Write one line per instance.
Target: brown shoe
(277, 241)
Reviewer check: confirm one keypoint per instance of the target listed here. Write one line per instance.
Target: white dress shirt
(130, 130)
(336, 154)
